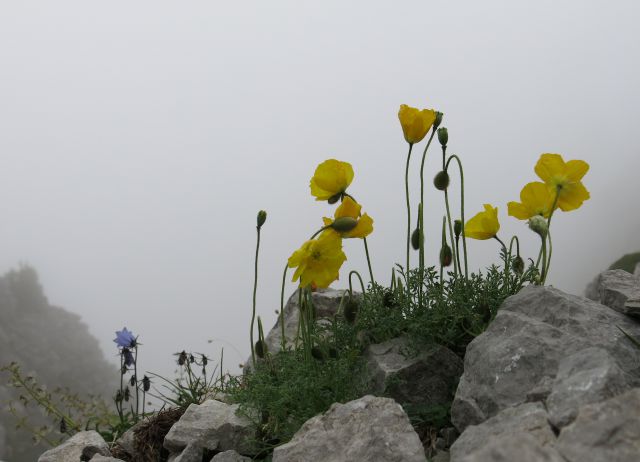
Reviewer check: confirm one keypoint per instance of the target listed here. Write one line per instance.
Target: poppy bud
(118, 398)
(146, 384)
(132, 380)
(443, 136)
(518, 265)
(262, 217)
(335, 198)
(445, 255)
(457, 227)
(261, 349)
(344, 224)
(415, 239)
(182, 358)
(539, 225)
(350, 311)
(438, 121)
(441, 180)
(63, 426)
(205, 360)
(317, 353)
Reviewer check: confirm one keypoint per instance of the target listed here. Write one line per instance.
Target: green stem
(421, 211)
(464, 237)
(284, 278)
(553, 208)
(255, 288)
(507, 255)
(406, 187)
(544, 277)
(359, 277)
(366, 251)
(444, 241)
(446, 202)
(135, 374)
(544, 260)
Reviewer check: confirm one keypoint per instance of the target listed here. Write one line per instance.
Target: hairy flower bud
(438, 120)
(518, 265)
(351, 311)
(441, 180)
(446, 256)
(344, 224)
(457, 227)
(538, 225)
(415, 239)
(260, 349)
(146, 384)
(262, 217)
(443, 136)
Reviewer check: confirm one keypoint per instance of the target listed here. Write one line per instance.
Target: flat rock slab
(529, 419)
(368, 429)
(607, 431)
(88, 443)
(427, 379)
(212, 425)
(518, 356)
(230, 456)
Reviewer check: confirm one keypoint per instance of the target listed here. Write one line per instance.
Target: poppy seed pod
(441, 180)
(539, 225)
(446, 256)
(344, 224)
(518, 265)
(415, 239)
(457, 227)
(443, 136)
(262, 217)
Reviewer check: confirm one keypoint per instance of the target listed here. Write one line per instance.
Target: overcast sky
(139, 139)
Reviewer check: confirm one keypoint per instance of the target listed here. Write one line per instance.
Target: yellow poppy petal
(548, 166)
(348, 208)
(576, 169)
(571, 199)
(362, 229)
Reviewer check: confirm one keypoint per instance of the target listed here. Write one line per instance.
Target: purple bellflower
(125, 338)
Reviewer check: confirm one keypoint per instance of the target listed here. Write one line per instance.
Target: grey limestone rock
(606, 431)
(428, 378)
(617, 289)
(230, 456)
(521, 350)
(520, 447)
(101, 458)
(212, 425)
(526, 419)
(88, 443)
(368, 429)
(587, 376)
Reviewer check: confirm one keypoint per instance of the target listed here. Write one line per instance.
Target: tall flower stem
(255, 289)
(548, 261)
(424, 156)
(406, 188)
(544, 260)
(446, 203)
(507, 256)
(444, 241)
(284, 279)
(464, 237)
(135, 375)
(359, 277)
(366, 251)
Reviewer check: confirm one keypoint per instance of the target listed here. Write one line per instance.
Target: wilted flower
(483, 225)
(415, 123)
(351, 209)
(318, 261)
(182, 358)
(125, 338)
(565, 178)
(331, 179)
(536, 199)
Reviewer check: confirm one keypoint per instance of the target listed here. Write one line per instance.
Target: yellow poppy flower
(415, 123)
(483, 225)
(351, 209)
(565, 179)
(330, 178)
(318, 261)
(536, 199)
